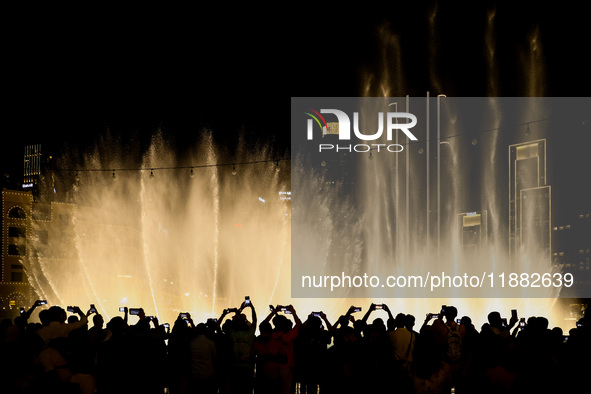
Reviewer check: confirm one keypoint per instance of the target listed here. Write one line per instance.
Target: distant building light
(261, 199)
(27, 185)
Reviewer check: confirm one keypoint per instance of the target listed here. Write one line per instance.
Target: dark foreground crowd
(79, 354)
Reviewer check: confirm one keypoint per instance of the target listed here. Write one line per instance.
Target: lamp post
(439, 96)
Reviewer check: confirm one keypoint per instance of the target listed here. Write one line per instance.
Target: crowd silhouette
(80, 354)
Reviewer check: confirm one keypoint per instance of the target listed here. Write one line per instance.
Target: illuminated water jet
(161, 240)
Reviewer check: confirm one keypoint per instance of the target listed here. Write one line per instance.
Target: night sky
(66, 79)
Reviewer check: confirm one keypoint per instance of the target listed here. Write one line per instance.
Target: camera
(121, 309)
(134, 311)
(247, 300)
(271, 308)
(504, 322)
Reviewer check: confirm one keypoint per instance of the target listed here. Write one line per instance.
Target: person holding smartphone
(57, 327)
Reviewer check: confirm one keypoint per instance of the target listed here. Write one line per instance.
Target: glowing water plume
(380, 194)
(533, 65)
(169, 243)
(433, 47)
(388, 80)
(490, 54)
(490, 176)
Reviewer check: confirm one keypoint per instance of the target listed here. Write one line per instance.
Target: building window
(16, 250)
(17, 213)
(17, 232)
(16, 276)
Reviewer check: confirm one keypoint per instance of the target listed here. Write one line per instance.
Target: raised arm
(252, 311)
(371, 308)
(329, 326)
(388, 312)
(297, 320)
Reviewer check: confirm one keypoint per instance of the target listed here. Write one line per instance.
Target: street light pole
(397, 191)
(439, 173)
(428, 179)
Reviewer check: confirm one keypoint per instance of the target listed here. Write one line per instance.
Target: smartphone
(443, 307)
(134, 311)
(317, 314)
(522, 322)
(514, 314)
(121, 309)
(459, 321)
(150, 318)
(184, 315)
(212, 320)
(285, 310)
(166, 325)
(42, 302)
(504, 322)
(70, 309)
(271, 308)
(247, 300)
(435, 315)
(22, 310)
(379, 306)
(92, 308)
(357, 309)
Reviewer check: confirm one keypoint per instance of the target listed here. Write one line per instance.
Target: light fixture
(114, 176)
(76, 177)
(277, 166)
(192, 174)
(474, 141)
(151, 173)
(370, 156)
(233, 169)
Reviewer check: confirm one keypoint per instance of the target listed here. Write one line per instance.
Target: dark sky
(66, 78)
